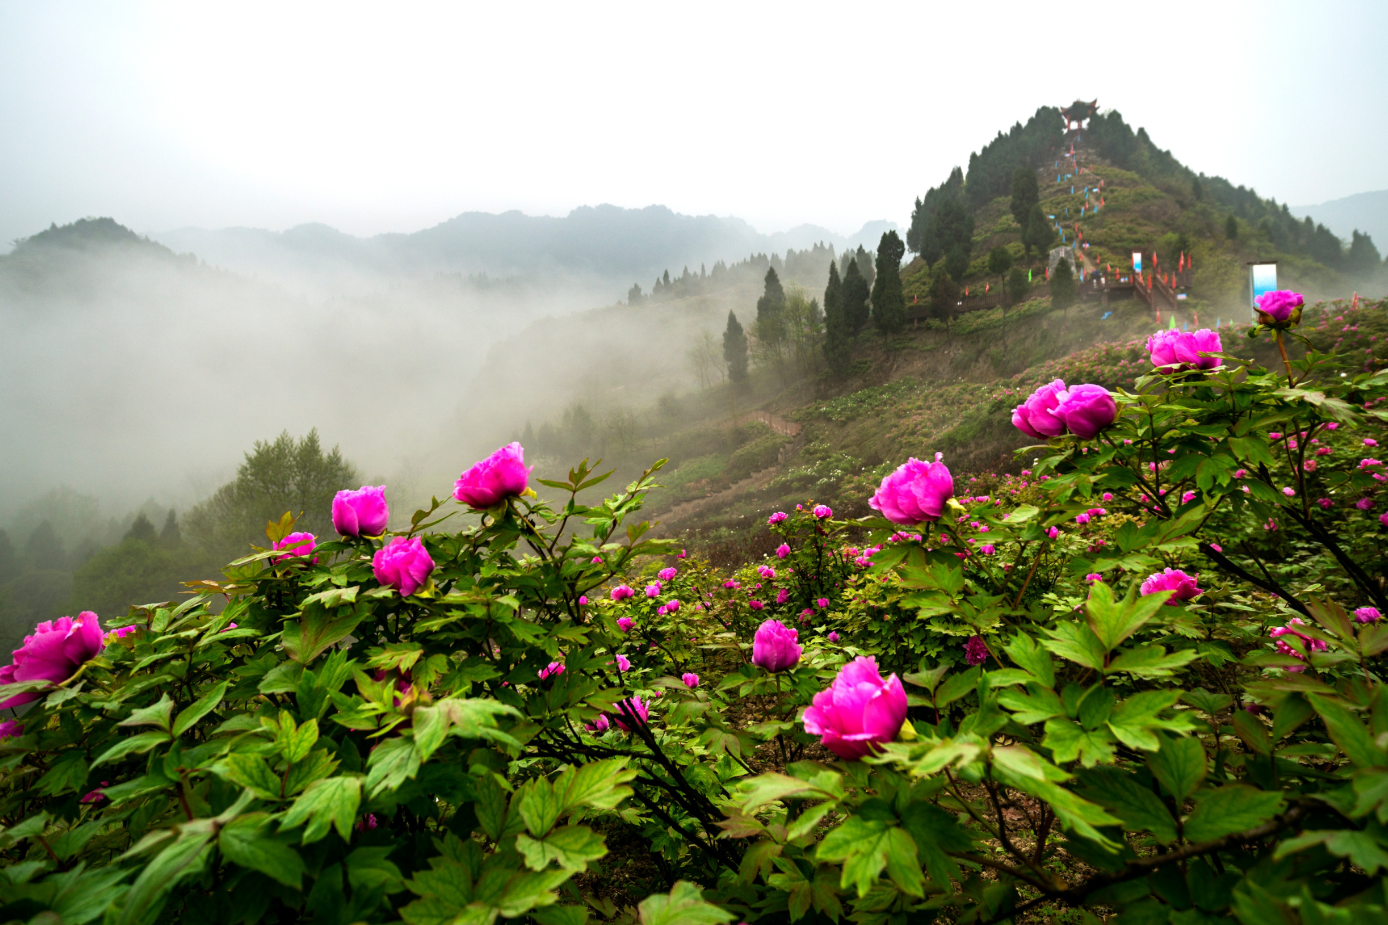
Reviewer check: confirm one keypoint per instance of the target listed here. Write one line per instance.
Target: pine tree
(735, 351)
(944, 300)
(1018, 287)
(888, 301)
(141, 530)
(854, 295)
(1039, 234)
(1062, 285)
(1231, 227)
(865, 267)
(837, 334)
(171, 536)
(1025, 194)
(634, 294)
(770, 326)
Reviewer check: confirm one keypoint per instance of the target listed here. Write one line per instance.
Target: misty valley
(1025, 564)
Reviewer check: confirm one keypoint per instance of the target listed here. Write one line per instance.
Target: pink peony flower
(11, 729)
(690, 679)
(987, 549)
(582, 600)
(1367, 615)
(1174, 351)
(1092, 577)
(121, 632)
(767, 572)
(597, 726)
(822, 511)
(653, 590)
(821, 602)
(1279, 306)
(833, 636)
(672, 605)
(1188, 497)
(628, 708)
(1174, 580)
(623, 663)
(755, 605)
(1383, 519)
(1370, 441)
(1364, 504)
(1053, 532)
(782, 551)
(625, 624)
(620, 593)
(296, 546)
(775, 647)
(1035, 417)
(53, 653)
(1108, 496)
(1082, 518)
(363, 512)
(1086, 410)
(97, 795)
(916, 492)
(858, 711)
(782, 596)
(1309, 644)
(975, 650)
(552, 670)
(403, 564)
(668, 573)
(776, 518)
(500, 476)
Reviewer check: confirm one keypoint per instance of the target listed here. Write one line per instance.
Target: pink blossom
(690, 679)
(776, 518)
(975, 650)
(620, 593)
(767, 572)
(1053, 532)
(296, 546)
(666, 574)
(987, 549)
(625, 624)
(1108, 496)
(1036, 416)
(97, 795)
(1188, 497)
(1325, 503)
(755, 605)
(1289, 492)
(859, 711)
(552, 670)
(598, 726)
(500, 476)
(623, 663)
(582, 600)
(1308, 643)
(1082, 518)
(629, 708)
(11, 729)
(1174, 351)
(403, 564)
(1364, 504)
(833, 636)
(821, 602)
(53, 653)
(1367, 615)
(1086, 410)
(122, 631)
(775, 646)
(1092, 577)
(782, 551)
(1279, 306)
(362, 512)
(822, 511)
(782, 596)
(1182, 585)
(1240, 473)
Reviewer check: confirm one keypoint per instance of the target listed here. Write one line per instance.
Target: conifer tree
(888, 301)
(735, 351)
(837, 333)
(1231, 227)
(1039, 234)
(770, 326)
(944, 300)
(1062, 285)
(854, 295)
(1025, 194)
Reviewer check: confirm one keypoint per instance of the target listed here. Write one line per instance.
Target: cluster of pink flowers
(1173, 351)
(1308, 643)
(1053, 409)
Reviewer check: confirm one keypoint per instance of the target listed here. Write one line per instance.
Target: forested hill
(1146, 199)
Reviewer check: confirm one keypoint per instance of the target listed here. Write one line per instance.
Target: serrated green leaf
(1137, 806)
(1113, 621)
(572, 847)
(1229, 809)
(866, 847)
(683, 905)
(156, 714)
(1179, 766)
(329, 802)
(956, 686)
(251, 772)
(1077, 643)
(249, 842)
(1024, 651)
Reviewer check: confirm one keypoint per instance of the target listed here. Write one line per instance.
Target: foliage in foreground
(317, 738)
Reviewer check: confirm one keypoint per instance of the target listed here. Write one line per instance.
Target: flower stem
(1291, 379)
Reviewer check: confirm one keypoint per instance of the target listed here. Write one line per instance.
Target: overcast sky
(395, 116)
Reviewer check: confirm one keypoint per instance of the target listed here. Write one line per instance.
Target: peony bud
(690, 679)
(1279, 307)
(775, 646)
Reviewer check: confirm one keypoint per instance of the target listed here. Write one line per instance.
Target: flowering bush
(1142, 679)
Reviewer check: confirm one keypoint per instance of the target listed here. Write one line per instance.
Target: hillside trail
(757, 480)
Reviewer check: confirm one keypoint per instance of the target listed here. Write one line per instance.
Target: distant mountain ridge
(598, 243)
(1366, 212)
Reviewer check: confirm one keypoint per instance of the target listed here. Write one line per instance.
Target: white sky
(395, 116)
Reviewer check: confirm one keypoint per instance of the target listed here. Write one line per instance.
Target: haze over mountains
(600, 250)
(1366, 212)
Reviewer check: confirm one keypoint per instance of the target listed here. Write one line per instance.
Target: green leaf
(758, 791)
(1037, 705)
(1179, 766)
(956, 686)
(1136, 720)
(1114, 621)
(1229, 809)
(164, 873)
(135, 745)
(67, 773)
(598, 784)
(1024, 651)
(1347, 732)
(570, 846)
(1076, 642)
(154, 715)
(392, 763)
(204, 705)
(1068, 740)
(369, 869)
(539, 807)
(866, 846)
(248, 842)
(1137, 806)
(683, 905)
(316, 630)
(329, 802)
(1252, 731)
(1150, 662)
(251, 772)
(1363, 849)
